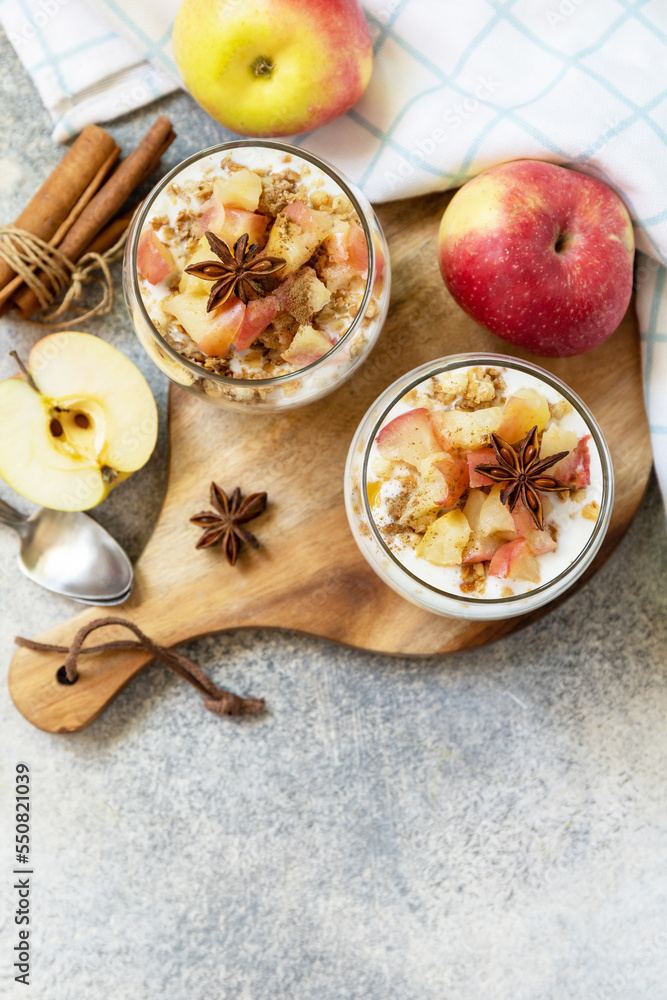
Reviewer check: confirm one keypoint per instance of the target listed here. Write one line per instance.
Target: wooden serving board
(308, 574)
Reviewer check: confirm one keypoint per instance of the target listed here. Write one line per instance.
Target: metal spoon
(69, 553)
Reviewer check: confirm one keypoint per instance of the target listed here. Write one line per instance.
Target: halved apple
(86, 423)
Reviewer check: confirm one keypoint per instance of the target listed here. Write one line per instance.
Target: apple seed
(56, 428)
(81, 420)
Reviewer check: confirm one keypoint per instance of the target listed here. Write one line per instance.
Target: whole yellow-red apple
(540, 255)
(273, 67)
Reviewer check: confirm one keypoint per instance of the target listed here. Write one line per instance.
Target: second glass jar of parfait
(436, 529)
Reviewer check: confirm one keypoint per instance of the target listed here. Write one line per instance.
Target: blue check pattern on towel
(456, 88)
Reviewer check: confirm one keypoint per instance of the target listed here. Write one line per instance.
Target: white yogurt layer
(249, 363)
(573, 529)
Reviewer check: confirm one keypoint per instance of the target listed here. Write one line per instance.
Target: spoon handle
(10, 516)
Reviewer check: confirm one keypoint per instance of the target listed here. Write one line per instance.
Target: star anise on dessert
(240, 272)
(521, 471)
(225, 521)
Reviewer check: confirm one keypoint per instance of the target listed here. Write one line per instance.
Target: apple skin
(320, 52)
(498, 255)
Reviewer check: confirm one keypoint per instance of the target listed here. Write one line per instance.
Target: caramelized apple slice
(242, 189)
(454, 471)
(495, 518)
(408, 438)
(466, 430)
(155, 261)
(483, 456)
(213, 332)
(259, 313)
(576, 467)
(523, 410)
(557, 439)
(309, 345)
(515, 560)
(445, 540)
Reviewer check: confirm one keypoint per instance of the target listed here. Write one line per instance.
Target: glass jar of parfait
(479, 487)
(256, 276)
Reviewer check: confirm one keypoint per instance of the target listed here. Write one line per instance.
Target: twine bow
(216, 699)
(28, 254)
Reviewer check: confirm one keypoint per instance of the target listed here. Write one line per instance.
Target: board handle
(48, 701)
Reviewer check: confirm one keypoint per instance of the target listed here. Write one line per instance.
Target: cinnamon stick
(108, 201)
(16, 282)
(111, 233)
(90, 156)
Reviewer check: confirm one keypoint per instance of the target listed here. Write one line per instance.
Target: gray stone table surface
(486, 825)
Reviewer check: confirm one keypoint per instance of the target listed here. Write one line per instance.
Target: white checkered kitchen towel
(457, 87)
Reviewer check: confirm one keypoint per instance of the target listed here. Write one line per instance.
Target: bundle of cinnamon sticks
(78, 208)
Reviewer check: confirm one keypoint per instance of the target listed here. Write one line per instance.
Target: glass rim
(419, 375)
(346, 188)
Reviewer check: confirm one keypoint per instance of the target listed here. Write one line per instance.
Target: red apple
(540, 255)
(273, 67)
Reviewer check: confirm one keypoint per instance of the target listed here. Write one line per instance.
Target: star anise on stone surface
(521, 472)
(240, 272)
(224, 522)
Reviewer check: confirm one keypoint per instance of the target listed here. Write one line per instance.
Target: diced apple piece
(495, 518)
(155, 261)
(455, 472)
(515, 560)
(483, 456)
(575, 469)
(427, 500)
(317, 224)
(336, 243)
(445, 540)
(523, 410)
(408, 438)
(337, 276)
(308, 346)
(213, 218)
(242, 189)
(259, 313)
(480, 547)
(557, 439)
(466, 430)
(197, 286)
(302, 295)
(213, 332)
(357, 250)
(296, 233)
(539, 541)
(289, 241)
(237, 222)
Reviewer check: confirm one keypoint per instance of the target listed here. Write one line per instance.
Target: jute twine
(27, 254)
